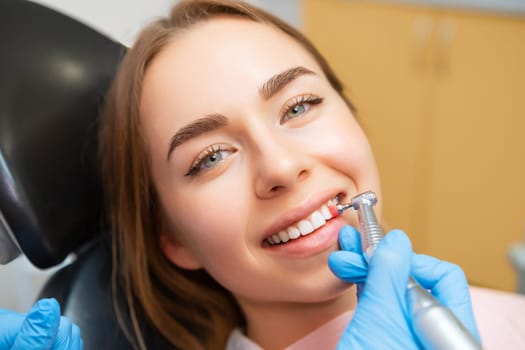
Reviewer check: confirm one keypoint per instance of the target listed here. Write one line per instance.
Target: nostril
(275, 189)
(302, 175)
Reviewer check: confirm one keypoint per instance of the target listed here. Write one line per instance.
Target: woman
(225, 136)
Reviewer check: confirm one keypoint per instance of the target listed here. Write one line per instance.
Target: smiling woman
(225, 136)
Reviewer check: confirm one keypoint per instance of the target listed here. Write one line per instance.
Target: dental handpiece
(434, 325)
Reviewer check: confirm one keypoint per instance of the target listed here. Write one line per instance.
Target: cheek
(209, 219)
(345, 145)
(215, 231)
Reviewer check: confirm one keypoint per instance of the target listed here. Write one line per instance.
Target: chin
(327, 291)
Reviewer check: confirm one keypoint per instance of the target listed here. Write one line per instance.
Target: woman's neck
(278, 325)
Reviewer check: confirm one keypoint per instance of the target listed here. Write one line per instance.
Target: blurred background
(440, 91)
(441, 94)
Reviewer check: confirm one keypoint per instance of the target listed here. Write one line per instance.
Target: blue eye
(212, 160)
(209, 159)
(299, 106)
(296, 111)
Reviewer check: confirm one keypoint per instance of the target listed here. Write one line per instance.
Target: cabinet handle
(421, 35)
(446, 32)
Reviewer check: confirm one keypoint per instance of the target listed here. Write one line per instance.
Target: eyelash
(196, 167)
(300, 100)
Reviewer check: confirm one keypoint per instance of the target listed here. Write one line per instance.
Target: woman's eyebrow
(196, 128)
(280, 80)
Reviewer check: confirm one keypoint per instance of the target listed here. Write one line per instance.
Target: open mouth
(318, 218)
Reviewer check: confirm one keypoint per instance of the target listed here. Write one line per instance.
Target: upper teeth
(304, 227)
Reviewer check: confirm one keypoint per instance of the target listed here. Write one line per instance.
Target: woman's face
(248, 140)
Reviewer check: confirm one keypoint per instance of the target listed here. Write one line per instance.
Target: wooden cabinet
(441, 94)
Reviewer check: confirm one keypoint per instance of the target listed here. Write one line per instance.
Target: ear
(177, 253)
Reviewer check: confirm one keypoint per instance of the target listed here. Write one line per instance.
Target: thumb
(40, 327)
(349, 264)
(389, 270)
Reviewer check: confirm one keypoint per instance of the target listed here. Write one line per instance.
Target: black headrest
(54, 72)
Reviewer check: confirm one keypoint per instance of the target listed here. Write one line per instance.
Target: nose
(280, 164)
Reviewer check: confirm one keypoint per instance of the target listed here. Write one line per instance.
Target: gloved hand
(381, 319)
(41, 329)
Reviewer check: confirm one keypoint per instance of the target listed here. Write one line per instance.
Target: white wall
(123, 19)
(502, 6)
(120, 20)
(20, 282)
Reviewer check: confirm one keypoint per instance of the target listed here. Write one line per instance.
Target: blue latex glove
(382, 320)
(41, 329)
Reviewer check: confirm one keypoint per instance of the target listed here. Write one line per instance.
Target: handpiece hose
(434, 325)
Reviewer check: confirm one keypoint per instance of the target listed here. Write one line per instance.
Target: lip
(300, 212)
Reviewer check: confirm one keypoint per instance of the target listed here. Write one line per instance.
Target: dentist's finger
(40, 326)
(448, 284)
(76, 343)
(350, 239)
(10, 323)
(348, 266)
(68, 337)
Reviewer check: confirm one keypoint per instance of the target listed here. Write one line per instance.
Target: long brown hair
(188, 308)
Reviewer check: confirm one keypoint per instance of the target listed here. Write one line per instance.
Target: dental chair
(54, 72)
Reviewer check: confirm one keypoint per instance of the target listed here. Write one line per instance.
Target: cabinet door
(477, 184)
(382, 53)
(441, 95)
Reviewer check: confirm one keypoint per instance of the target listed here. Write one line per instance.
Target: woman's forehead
(229, 48)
